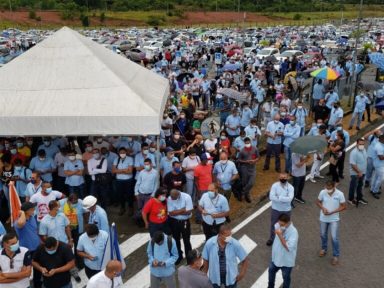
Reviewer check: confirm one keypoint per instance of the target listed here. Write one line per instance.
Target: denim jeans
(370, 169)
(288, 159)
(190, 188)
(286, 271)
(334, 234)
(359, 118)
(377, 179)
(356, 184)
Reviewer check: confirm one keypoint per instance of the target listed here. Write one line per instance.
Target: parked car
(136, 54)
(267, 52)
(288, 54)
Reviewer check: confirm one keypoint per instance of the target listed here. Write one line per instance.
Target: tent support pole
(158, 159)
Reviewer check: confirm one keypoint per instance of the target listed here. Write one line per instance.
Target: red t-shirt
(204, 176)
(157, 211)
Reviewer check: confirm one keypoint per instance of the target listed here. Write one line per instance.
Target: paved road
(361, 238)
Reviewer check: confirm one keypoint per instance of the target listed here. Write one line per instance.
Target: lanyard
(223, 169)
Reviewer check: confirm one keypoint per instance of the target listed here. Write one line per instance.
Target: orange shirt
(157, 211)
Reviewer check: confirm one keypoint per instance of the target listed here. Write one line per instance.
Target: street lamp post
(357, 40)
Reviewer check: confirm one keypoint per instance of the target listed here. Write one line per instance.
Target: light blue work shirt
(213, 206)
(31, 189)
(331, 203)
(330, 99)
(379, 150)
(260, 94)
(139, 161)
(252, 132)
(281, 196)
(99, 218)
(80, 211)
(24, 174)
(238, 143)
(224, 173)
(125, 163)
(54, 227)
(161, 254)
(280, 256)
(347, 138)
(166, 164)
(335, 115)
(372, 140)
(233, 122)
(291, 133)
(2, 229)
(318, 92)
(134, 146)
(95, 248)
(28, 235)
(274, 111)
(273, 128)
(246, 116)
(234, 251)
(146, 182)
(74, 180)
(361, 102)
(359, 158)
(301, 116)
(50, 151)
(110, 156)
(42, 166)
(184, 201)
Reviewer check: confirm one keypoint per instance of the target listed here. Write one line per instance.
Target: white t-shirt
(43, 201)
(190, 163)
(166, 122)
(101, 281)
(210, 144)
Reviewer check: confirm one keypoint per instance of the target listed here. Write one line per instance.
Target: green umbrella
(308, 144)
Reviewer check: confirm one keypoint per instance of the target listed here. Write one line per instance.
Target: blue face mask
(292, 122)
(50, 252)
(177, 170)
(211, 194)
(18, 168)
(48, 190)
(14, 247)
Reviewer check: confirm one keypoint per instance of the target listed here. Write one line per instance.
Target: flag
(14, 202)
(112, 249)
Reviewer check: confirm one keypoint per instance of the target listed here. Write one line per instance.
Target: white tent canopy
(70, 85)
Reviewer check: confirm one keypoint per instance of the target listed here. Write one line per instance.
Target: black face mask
(283, 181)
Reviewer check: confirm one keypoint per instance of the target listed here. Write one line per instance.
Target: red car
(311, 57)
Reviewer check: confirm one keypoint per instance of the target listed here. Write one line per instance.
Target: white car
(248, 51)
(263, 53)
(288, 54)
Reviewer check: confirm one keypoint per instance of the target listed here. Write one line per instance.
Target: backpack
(169, 242)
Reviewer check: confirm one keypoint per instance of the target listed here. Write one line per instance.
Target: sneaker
(312, 180)
(300, 200)
(366, 185)
(269, 242)
(322, 253)
(363, 201)
(247, 199)
(335, 261)
(375, 195)
(352, 202)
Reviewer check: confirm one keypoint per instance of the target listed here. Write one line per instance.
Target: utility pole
(238, 10)
(357, 40)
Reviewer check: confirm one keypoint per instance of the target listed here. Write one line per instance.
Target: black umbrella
(182, 76)
(308, 144)
(167, 42)
(369, 85)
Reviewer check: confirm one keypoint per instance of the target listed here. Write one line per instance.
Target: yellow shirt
(71, 214)
(25, 151)
(184, 101)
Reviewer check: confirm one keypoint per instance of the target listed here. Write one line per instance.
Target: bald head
(113, 268)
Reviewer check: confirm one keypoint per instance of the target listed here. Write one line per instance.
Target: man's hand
(325, 211)
(359, 174)
(50, 273)
(155, 263)
(204, 212)
(239, 277)
(44, 271)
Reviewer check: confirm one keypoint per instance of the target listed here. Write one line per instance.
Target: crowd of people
(66, 185)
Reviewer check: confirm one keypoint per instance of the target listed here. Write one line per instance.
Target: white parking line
(262, 282)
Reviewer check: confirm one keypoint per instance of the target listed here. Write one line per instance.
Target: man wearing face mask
(22, 148)
(238, 143)
(166, 125)
(22, 176)
(219, 253)
(224, 173)
(335, 116)
(253, 132)
(33, 186)
(180, 207)
(133, 147)
(248, 157)
(91, 248)
(321, 111)
(378, 165)
(44, 165)
(301, 115)
(232, 124)
(54, 260)
(15, 263)
(246, 115)
(191, 276)
(43, 198)
(140, 157)
(281, 196)
(98, 165)
(284, 251)
(16, 155)
(166, 163)
(372, 139)
(177, 144)
(50, 149)
(361, 101)
(32, 144)
(146, 184)
(291, 133)
(176, 178)
(274, 131)
(331, 98)
(331, 202)
(73, 169)
(101, 143)
(97, 215)
(109, 277)
(214, 208)
(154, 212)
(358, 167)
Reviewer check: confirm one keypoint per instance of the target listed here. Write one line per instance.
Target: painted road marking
(262, 282)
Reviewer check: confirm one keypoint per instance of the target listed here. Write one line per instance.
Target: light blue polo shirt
(233, 122)
(74, 180)
(246, 116)
(331, 203)
(281, 196)
(371, 145)
(234, 251)
(146, 182)
(224, 173)
(54, 227)
(47, 164)
(331, 99)
(280, 256)
(273, 128)
(213, 206)
(318, 92)
(184, 201)
(291, 133)
(361, 102)
(50, 151)
(335, 115)
(379, 150)
(301, 115)
(260, 94)
(110, 156)
(30, 189)
(238, 143)
(166, 164)
(24, 174)
(252, 132)
(132, 145)
(99, 218)
(358, 158)
(125, 163)
(94, 248)
(139, 161)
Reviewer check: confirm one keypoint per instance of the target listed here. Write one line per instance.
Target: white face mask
(227, 239)
(329, 191)
(177, 137)
(248, 145)
(360, 147)
(72, 158)
(223, 161)
(123, 155)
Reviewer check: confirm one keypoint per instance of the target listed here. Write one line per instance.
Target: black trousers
(37, 283)
(181, 229)
(211, 230)
(125, 192)
(298, 185)
(340, 164)
(90, 272)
